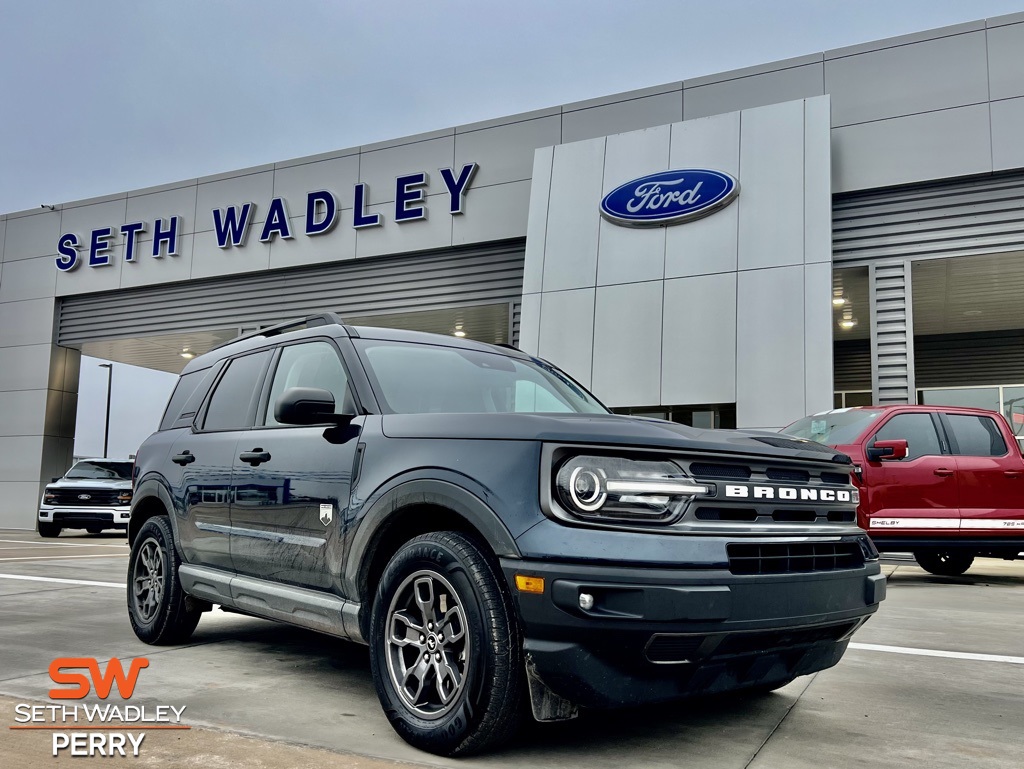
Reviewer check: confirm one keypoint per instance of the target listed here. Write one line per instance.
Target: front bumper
(81, 517)
(654, 635)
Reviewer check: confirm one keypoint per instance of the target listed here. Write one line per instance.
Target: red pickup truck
(944, 483)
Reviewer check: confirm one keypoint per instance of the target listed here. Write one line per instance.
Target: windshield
(834, 428)
(430, 379)
(95, 471)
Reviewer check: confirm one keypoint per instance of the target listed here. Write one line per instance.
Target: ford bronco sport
(490, 530)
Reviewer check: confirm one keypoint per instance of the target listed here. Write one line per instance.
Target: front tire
(944, 563)
(48, 530)
(158, 607)
(445, 647)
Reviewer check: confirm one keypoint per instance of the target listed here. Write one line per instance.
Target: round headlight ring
(586, 488)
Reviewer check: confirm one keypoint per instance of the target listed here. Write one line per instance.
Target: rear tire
(48, 530)
(158, 607)
(944, 563)
(445, 647)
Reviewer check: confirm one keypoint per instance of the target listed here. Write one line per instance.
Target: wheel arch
(409, 509)
(151, 498)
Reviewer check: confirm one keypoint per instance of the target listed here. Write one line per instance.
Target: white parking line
(63, 557)
(937, 653)
(62, 581)
(62, 544)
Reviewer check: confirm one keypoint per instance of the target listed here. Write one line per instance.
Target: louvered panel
(354, 288)
(893, 379)
(956, 218)
(852, 365)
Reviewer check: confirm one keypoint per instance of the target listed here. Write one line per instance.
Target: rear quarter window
(187, 396)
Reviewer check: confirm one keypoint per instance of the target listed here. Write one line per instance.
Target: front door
(206, 455)
(917, 494)
(291, 484)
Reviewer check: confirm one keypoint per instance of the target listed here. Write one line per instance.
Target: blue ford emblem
(669, 197)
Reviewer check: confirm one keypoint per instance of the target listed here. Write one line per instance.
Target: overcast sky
(110, 95)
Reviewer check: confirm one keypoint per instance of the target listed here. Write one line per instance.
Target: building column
(892, 333)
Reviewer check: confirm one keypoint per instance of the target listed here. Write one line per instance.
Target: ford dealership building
(739, 249)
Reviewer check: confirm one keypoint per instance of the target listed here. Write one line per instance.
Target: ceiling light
(972, 313)
(847, 323)
(838, 301)
(186, 354)
(459, 332)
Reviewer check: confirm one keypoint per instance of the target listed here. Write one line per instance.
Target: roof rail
(311, 321)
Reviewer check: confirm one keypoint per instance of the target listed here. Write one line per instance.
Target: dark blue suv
(490, 530)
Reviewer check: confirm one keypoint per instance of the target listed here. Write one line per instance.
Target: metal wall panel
(953, 218)
(364, 287)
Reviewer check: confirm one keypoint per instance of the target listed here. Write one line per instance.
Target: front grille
(839, 479)
(750, 515)
(708, 470)
(792, 558)
(793, 476)
(96, 497)
(743, 514)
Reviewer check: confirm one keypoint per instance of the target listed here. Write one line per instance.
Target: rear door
(989, 473)
(917, 494)
(292, 483)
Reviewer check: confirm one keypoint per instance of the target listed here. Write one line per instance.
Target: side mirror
(307, 406)
(57, 479)
(886, 450)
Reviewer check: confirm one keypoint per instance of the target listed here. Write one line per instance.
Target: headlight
(124, 497)
(49, 498)
(618, 489)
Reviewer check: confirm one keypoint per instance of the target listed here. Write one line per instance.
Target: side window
(315, 364)
(976, 436)
(232, 401)
(916, 429)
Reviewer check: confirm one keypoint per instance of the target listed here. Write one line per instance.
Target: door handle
(255, 457)
(184, 458)
(942, 472)
(1013, 473)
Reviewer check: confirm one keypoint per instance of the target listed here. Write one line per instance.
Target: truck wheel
(445, 647)
(48, 530)
(157, 605)
(944, 563)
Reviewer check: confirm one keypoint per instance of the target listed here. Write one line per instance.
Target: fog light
(586, 601)
(527, 584)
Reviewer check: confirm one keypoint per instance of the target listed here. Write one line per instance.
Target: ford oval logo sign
(669, 197)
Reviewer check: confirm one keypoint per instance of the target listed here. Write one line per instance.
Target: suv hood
(605, 429)
(89, 483)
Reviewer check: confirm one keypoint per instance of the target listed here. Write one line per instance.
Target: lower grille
(93, 497)
(792, 558)
(83, 518)
(673, 648)
(678, 648)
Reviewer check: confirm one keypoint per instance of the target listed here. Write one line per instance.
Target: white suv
(95, 494)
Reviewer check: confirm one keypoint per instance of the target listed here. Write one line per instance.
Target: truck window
(976, 436)
(917, 430)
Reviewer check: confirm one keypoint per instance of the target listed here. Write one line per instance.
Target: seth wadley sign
(231, 225)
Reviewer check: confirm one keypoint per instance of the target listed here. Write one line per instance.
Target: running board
(310, 609)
